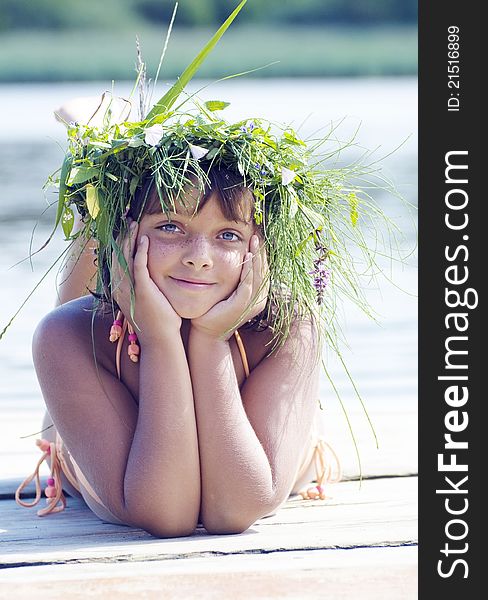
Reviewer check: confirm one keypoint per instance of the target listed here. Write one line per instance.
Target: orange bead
(312, 493)
(115, 333)
(50, 491)
(44, 445)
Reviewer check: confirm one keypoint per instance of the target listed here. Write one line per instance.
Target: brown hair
(234, 199)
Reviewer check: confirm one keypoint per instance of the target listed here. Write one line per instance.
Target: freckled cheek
(231, 263)
(162, 256)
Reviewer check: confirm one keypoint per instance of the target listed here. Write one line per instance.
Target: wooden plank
(366, 573)
(381, 513)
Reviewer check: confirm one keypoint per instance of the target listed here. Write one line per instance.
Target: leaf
(212, 153)
(65, 169)
(353, 203)
(293, 139)
(213, 105)
(81, 174)
(67, 221)
(302, 245)
(134, 182)
(167, 101)
(92, 201)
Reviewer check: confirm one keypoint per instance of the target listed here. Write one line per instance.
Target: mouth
(192, 284)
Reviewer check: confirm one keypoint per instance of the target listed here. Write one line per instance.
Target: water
(382, 357)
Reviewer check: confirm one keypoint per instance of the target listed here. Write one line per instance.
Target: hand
(154, 317)
(247, 301)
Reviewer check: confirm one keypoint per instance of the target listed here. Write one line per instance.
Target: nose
(198, 254)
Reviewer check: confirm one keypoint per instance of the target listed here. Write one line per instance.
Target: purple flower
(321, 277)
(260, 168)
(248, 128)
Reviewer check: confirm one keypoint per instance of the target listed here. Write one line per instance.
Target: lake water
(382, 356)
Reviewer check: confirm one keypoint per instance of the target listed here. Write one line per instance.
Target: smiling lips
(192, 283)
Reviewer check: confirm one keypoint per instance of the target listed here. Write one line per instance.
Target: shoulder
(67, 330)
(301, 345)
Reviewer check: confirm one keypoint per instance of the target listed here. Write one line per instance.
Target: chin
(188, 311)
(189, 314)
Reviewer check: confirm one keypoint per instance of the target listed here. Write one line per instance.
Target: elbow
(227, 526)
(165, 527)
(169, 531)
(232, 522)
(164, 523)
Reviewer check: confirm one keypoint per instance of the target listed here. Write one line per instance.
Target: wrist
(207, 335)
(157, 336)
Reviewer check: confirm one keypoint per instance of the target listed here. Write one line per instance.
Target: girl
(215, 243)
(197, 422)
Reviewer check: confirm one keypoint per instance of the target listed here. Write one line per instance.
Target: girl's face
(195, 259)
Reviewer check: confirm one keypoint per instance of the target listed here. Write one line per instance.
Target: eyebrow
(170, 214)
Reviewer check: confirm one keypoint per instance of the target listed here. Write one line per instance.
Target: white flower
(287, 175)
(153, 135)
(197, 151)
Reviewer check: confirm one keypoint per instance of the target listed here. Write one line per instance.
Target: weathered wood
(381, 513)
(365, 573)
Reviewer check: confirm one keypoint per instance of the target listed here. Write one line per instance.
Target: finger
(246, 272)
(140, 260)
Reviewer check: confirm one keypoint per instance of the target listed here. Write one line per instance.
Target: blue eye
(230, 233)
(163, 227)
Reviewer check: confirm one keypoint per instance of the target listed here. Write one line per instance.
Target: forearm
(162, 480)
(236, 474)
(78, 272)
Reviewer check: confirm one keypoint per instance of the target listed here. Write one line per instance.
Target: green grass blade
(165, 103)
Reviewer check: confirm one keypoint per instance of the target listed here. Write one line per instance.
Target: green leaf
(67, 221)
(213, 105)
(302, 245)
(353, 203)
(134, 182)
(167, 101)
(92, 201)
(81, 174)
(63, 188)
(65, 169)
(213, 152)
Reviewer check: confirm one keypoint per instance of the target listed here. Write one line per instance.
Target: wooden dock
(360, 543)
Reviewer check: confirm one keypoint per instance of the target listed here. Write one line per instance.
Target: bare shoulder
(69, 330)
(302, 343)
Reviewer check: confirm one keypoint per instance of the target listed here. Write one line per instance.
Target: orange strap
(240, 345)
(49, 449)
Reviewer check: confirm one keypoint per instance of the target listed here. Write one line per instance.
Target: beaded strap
(324, 470)
(55, 499)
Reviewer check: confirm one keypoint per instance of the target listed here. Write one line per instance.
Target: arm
(251, 442)
(143, 463)
(78, 272)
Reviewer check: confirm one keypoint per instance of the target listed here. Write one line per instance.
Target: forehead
(195, 204)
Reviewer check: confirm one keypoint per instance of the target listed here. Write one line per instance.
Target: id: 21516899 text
(453, 69)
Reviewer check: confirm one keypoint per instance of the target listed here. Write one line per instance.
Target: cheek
(231, 263)
(161, 254)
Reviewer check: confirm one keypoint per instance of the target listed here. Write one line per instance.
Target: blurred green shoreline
(90, 55)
